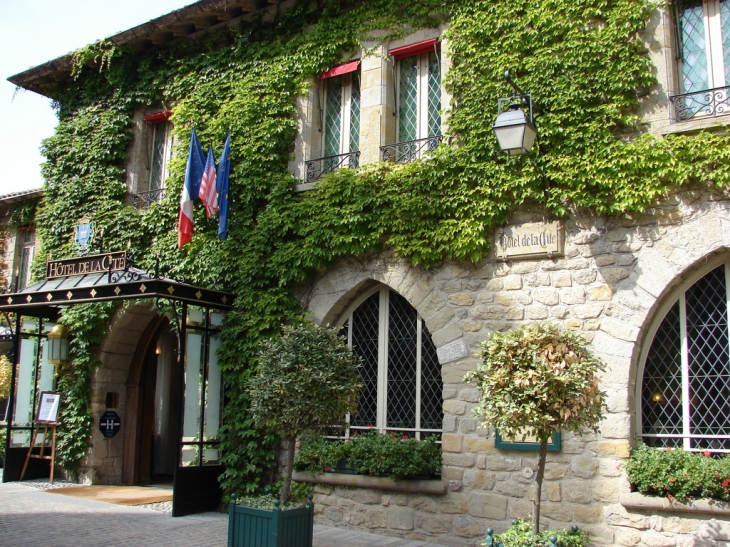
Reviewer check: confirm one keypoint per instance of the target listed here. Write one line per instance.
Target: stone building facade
(612, 283)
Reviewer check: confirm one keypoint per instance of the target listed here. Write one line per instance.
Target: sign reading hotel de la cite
(530, 240)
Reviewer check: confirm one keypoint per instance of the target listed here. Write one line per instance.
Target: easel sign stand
(47, 418)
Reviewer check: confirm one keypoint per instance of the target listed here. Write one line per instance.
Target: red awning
(412, 50)
(341, 69)
(158, 117)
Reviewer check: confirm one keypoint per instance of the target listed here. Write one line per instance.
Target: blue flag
(224, 169)
(196, 164)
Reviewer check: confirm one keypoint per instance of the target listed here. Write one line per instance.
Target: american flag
(208, 192)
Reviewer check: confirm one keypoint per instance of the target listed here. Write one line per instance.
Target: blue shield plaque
(84, 234)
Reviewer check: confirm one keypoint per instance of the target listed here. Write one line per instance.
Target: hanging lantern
(58, 345)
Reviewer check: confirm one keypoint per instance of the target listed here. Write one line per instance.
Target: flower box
(252, 527)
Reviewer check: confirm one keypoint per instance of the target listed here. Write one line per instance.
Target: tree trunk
(542, 456)
(292, 443)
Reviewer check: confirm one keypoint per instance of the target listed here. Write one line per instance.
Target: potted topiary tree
(307, 380)
(538, 378)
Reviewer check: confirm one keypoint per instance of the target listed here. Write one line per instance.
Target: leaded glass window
(402, 386)
(685, 393)
(704, 30)
(341, 115)
(161, 154)
(419, 97)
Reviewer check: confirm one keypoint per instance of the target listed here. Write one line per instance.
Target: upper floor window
(400, 371)
(703, 28)
(340, 121)
(418, 92)
(685, 390)
(160, 155)
(25, 250)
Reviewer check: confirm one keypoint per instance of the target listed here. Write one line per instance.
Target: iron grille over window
(685, 397)
(402, 386)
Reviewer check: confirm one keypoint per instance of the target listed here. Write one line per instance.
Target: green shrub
(520, 535)
(373, 453)
(680, 475)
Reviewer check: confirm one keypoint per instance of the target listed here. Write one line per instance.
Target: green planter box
(250, 527)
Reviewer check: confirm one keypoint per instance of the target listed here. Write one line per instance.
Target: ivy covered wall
(584, 62)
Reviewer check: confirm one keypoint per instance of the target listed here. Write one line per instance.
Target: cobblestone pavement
(31, 517)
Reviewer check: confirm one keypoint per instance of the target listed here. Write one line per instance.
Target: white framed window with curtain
(684, 393)
(401, 374)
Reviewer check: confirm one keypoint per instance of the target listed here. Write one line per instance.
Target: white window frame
(421, 95)
(382, 395)
(345, 112)
(166, 126)
(25, 240)
(678, 295)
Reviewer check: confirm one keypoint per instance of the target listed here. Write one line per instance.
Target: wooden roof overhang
(190, 22)
(45, 299)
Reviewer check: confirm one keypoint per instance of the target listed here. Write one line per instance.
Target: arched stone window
(401, 374)
(685, 390)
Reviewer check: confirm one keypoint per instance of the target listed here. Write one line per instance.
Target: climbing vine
(584, 61)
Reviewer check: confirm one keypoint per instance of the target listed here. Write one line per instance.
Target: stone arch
(131, 331)
(332, 293)
(665, 254)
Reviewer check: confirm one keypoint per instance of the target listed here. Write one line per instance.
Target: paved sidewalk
(30, 517)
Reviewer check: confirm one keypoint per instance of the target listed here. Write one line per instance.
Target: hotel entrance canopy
(196, 487)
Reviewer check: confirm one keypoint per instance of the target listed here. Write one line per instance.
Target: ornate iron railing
(408, 151)
(320, 167)
(145, 199)
(700, 104)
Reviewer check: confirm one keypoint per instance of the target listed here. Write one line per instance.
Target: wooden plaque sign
(530, 240)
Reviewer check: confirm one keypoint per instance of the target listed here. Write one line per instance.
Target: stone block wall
(608, 286)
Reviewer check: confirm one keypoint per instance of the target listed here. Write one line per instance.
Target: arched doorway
(158, 418)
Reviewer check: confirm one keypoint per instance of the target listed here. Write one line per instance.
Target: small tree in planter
(307, 380)
(538, 378)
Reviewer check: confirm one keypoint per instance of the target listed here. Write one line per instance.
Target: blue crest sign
(84, 234)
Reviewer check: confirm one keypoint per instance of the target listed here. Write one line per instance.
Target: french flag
(191, 189)
(208, 192)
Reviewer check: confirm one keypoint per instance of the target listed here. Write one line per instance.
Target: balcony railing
(408, 151)
(320, 167)
(700, 104)
(145, 199)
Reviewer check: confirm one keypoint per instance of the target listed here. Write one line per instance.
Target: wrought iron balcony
(408, 151)
(320, 167)
(700, 104)
(145, 199)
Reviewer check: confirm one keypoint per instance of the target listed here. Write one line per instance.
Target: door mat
(121, 495)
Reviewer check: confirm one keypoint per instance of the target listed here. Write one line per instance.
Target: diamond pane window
(419, 97)
(685, 394)
(434, 95)
(161, 153)
(341, 115)
(704, 28)
(333, 117)
(400, 370)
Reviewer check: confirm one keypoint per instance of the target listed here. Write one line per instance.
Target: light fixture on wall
(158, 348)
(515, 130)
(58, 345)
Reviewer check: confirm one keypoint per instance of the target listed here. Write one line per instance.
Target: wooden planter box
(250, 527)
